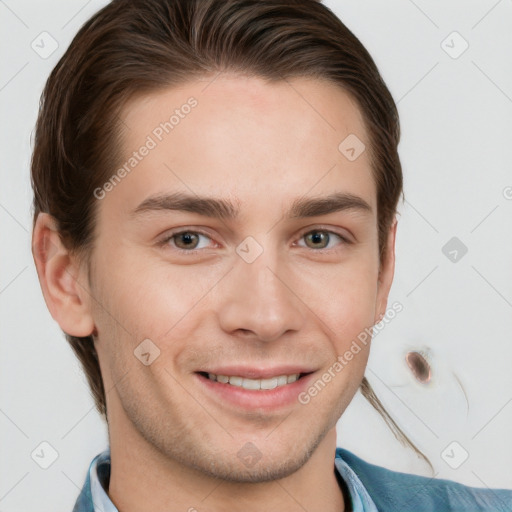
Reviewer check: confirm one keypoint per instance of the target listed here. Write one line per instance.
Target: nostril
(419, 366)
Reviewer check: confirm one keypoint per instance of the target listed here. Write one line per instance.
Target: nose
(258, 300)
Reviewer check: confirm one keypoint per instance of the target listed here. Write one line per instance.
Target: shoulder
(393, 490)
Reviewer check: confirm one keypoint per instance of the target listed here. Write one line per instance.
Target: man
(215, 189)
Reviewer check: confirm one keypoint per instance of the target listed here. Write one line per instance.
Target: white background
(456, 151)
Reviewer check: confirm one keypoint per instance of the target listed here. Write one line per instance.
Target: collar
(96, 486)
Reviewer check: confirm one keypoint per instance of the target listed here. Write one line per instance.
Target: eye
(321, 239)
(187, 240)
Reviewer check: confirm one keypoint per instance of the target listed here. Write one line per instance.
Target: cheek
(151, 298)
(154, 299)
(342, 296)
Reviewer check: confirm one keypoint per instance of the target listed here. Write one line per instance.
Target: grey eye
(419, 366)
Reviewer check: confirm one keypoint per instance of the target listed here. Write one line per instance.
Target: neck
(143, 478)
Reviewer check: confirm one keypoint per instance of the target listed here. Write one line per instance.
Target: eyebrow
(225, 209)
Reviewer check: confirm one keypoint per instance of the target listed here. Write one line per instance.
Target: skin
(261, 146)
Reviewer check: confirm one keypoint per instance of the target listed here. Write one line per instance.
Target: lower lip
(250, 399)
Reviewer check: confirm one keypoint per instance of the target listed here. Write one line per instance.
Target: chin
(257, 471)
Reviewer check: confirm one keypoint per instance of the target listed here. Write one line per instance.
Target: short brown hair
(135, 47)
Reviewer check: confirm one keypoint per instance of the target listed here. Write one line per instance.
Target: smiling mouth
(254, 384)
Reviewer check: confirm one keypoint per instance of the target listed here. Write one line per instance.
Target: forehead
(245, 138)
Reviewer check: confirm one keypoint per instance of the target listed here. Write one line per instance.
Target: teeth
(282, 380)
(250, 383)
(242, 382)
(268, 383)
(236, 381)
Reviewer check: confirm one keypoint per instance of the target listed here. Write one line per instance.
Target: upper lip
(258, 372)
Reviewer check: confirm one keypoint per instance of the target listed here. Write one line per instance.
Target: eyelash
(164, 242)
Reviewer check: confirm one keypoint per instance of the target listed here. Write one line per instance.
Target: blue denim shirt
(371, 489)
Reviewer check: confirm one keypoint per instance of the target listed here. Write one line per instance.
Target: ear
(386, 273)
(64, 289)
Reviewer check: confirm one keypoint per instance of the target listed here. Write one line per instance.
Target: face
(260, 266)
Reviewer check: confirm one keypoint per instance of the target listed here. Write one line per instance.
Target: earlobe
(64, 290)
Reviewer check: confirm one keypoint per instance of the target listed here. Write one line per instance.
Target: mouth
(255, 390)
(255, 384)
